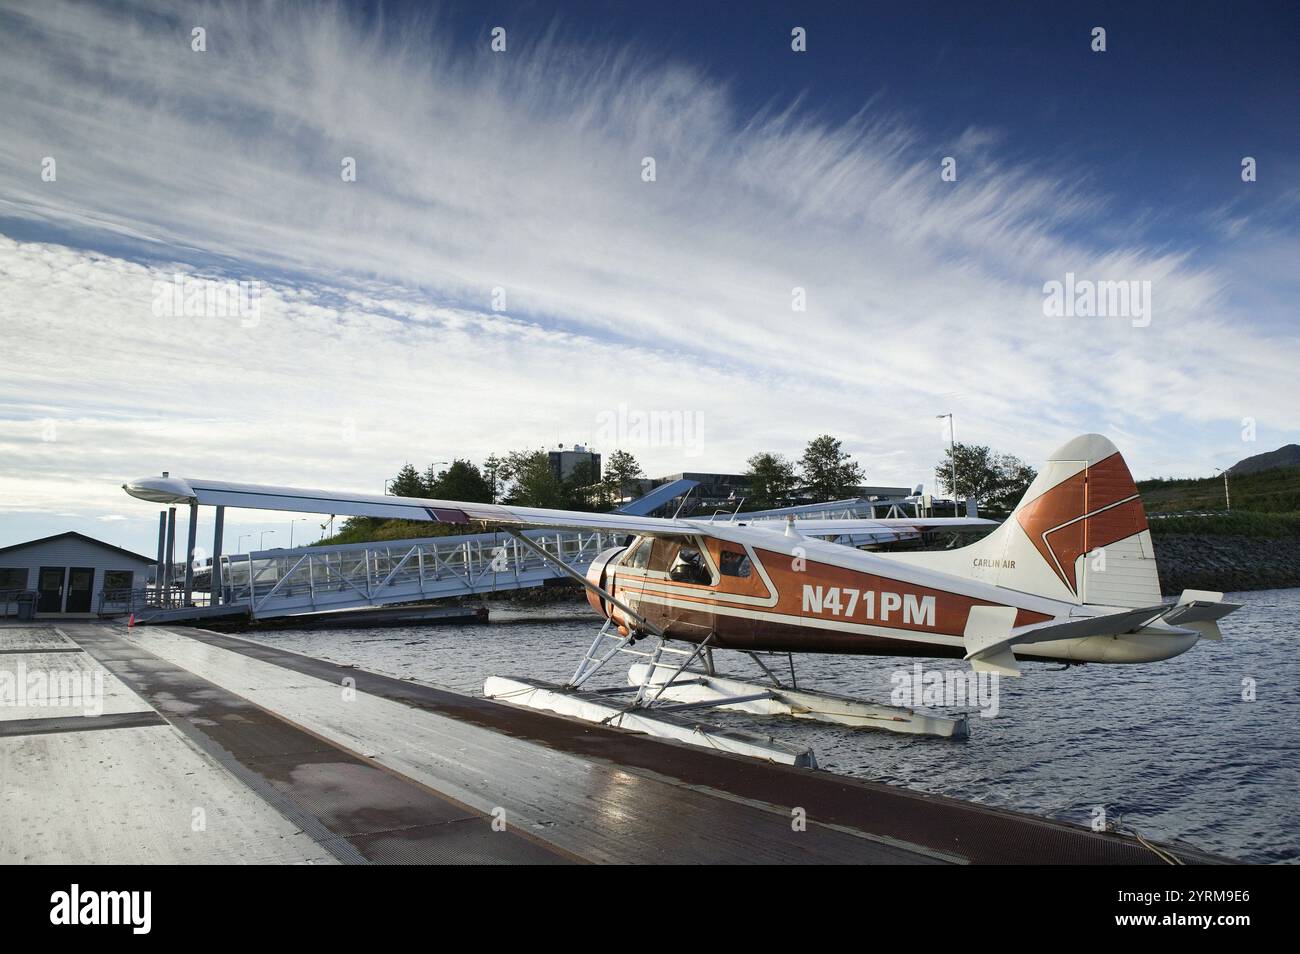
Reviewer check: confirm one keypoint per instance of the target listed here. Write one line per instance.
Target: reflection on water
(1171, 747)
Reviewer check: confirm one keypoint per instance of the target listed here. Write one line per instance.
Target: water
(1171, 747)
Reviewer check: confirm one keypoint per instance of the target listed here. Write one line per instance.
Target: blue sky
(379, 339)
(1157, 118)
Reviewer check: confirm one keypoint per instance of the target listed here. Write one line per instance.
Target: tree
(1016, 478)
(429, 480)
(583, 488)
(407, 483)
(461, 481)
(621, 473)
(771, 477)
(997, 481)
(532, 482)
(828, 472)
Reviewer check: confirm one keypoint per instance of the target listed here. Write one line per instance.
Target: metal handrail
(303, 579)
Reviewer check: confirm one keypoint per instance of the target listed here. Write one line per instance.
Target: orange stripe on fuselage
(933, 610)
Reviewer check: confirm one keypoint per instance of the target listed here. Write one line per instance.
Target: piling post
(216, 555)
(160, 571)
(170, 556)
(191, 538)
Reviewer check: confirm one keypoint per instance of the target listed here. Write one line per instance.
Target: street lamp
(952, 452)
(1226, 499)
(261, 541)
(291, 523)
(240, 545)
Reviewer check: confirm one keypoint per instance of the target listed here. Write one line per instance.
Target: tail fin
(1079, 534)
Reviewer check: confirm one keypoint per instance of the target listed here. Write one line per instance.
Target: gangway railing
(311, 579)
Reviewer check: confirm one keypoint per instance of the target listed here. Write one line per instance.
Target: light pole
(240, 545)
(291, 523)
(261, 541)
(952, 452)
(1226, 499)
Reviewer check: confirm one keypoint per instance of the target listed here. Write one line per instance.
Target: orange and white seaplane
(1070, 577)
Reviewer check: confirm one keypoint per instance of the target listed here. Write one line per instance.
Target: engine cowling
(599, 573)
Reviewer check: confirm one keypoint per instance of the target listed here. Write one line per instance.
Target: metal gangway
(314, 579)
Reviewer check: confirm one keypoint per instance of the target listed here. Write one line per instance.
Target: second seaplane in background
(1070, 577)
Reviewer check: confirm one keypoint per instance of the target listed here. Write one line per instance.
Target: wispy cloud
(523, 171)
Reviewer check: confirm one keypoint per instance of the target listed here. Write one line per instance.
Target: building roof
(81, 536)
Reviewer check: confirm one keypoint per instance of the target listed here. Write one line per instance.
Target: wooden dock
(208, 748)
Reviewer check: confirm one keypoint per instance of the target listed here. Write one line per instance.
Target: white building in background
(69, 572)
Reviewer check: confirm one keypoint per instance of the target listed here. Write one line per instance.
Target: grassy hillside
(1239, 523)
(1274, 491)
(372, 530)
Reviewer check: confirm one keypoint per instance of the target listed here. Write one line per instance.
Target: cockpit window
(734, 563)
(665, 552)
(640, 557)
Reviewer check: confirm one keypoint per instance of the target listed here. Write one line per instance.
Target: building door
(49, 584)
(81, 580)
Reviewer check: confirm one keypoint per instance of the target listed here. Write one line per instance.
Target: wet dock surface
(286, 758)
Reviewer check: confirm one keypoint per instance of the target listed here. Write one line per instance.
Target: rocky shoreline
(1226, 563)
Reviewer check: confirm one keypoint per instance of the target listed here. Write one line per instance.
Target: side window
(689, 567)
(734, 563)
(640, 557)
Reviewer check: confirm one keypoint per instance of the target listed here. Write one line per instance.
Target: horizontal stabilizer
(1128, 621)
(1201, 610)
(990, 639)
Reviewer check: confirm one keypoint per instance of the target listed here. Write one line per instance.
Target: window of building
(115, 580)
(13, 578)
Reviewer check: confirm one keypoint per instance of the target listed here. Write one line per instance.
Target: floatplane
(1070, 577)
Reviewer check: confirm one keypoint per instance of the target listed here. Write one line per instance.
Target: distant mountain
(1288, 456)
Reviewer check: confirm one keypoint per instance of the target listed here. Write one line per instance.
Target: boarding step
(599, 707)
(730, 692)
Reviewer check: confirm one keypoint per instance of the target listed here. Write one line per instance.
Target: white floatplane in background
(1070, 577)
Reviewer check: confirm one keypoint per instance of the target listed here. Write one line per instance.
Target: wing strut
(569, 571)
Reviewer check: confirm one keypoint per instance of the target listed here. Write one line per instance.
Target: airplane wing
(218, 493)
(184, 490)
